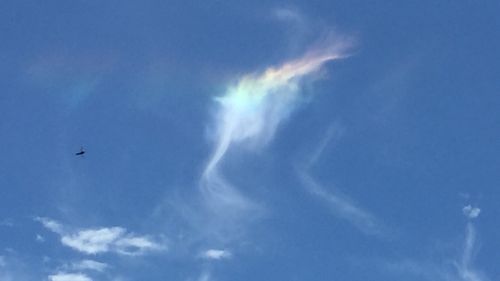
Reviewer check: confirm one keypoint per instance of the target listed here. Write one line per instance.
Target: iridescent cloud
(252, 109)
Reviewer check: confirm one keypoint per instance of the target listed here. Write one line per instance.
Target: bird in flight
(81, 152)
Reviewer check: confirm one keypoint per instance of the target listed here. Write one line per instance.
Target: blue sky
(249, 140)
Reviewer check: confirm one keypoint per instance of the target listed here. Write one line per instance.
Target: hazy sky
(249, 140)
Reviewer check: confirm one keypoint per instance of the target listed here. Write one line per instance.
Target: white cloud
(93, 241)
(89, 265)
(62, 276)
(340, 205)
(215, 254)
(343, 207)
(113, 239)
(249, 114)
(102, 240)
(253, 108)
(132, 245)
(461, 269)
(39, 238)
(50, 224)
(471, 212)
(333, 133)
(464, 267)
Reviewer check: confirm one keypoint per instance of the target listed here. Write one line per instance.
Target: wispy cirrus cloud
(88, 265)
(102, 240)
(78, 270)
(51, 225)
(465, 266)
(13, 268)
(340, 204)
(250, 112)
(459, 268)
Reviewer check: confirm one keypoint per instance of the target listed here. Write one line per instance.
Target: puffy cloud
(215, 254)
(102, 240)
(62, 276)
(113, 239)
(471, 212)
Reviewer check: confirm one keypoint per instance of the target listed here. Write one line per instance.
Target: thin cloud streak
(460, 269)
(89, 265)
(465, 267)
(341, 205)
(332, 133)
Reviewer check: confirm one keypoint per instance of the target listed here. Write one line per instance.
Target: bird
(81, 152)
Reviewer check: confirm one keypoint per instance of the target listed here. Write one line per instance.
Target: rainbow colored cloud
(253, 108)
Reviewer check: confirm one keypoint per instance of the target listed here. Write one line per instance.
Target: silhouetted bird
(81, 152)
